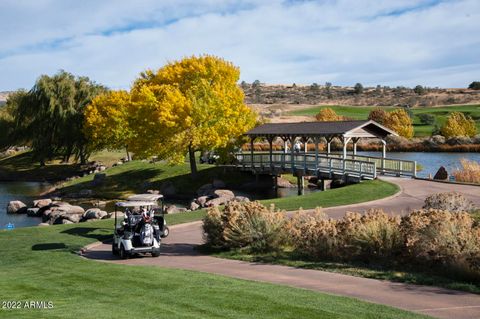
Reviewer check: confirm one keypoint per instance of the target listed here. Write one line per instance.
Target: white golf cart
(142, 227)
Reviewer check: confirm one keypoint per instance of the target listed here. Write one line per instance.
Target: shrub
(420, 90)
(371, 236)
(313, 235)
(427, 119)
(328, 114)
(378, 115)
(452, 202)
(244, 225)
(358, 88)
(400, 122)
(439, 236)
(458, 124)
(469, 173)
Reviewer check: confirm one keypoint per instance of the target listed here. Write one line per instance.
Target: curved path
(178, 252)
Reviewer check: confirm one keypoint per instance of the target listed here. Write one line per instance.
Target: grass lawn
(23, 167)
(40, 264)
(440, 113)
(136, 176)
(398, 273)
(357, 193)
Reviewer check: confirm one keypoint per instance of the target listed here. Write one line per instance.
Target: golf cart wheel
(114, 249)
(155, 253)
(123, 252)
(166, 232)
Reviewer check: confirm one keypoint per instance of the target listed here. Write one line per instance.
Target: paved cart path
(178, 252)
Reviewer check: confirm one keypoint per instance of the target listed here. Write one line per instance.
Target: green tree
(426, 119)
(358, 88)
(475, 85)
(420, 90)
(50, 116)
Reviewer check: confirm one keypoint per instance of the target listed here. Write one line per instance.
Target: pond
(23, 191)
(430, 161)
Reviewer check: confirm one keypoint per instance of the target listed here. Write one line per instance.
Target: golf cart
(142, 227)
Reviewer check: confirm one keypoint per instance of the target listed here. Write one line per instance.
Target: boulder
(168, 189)
(205, 190)
(94, 213)
(202, 200)
(459, 140)
(218, 183)
(171, 209)
(69, 209)
(16, 207)
(217, 201)
(193, 206)
(33, 212)
(441, 174)
(39, 203)
(283, 183)
(85, 193)
(241, 199)
(337, 183)
(101, 168)
(99, 179)
(57, 217)
(44, 224)
(223, 193)
(153, 191)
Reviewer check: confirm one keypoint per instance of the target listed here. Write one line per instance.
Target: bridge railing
(322, 163)
(391, 166)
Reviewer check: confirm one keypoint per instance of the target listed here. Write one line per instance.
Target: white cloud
(344, 42)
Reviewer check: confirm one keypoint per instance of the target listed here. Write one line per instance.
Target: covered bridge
(325, 165)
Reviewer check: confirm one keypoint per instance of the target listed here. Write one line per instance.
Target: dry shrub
(469, 173)
(452, 202)
(241, 225)
(439, 236)
(370, 236)
(313, 234)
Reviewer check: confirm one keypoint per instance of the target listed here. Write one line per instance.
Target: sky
(389, 42)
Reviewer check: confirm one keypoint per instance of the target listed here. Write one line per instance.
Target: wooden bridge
(324, 165)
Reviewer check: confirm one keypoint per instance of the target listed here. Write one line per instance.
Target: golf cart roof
(145, 197)
(136, 203)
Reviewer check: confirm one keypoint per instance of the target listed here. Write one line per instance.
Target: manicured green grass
(398, 273)
(362, 192)
(23, 166)
(138, 176)
(440, 113)
(40, 264)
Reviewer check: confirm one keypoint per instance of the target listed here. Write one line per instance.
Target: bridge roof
(363, 128)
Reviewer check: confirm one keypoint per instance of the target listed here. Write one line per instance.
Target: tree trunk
(128, 153)
(193, 162)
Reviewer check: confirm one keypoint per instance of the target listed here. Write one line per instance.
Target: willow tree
(49, 117)
(186, 106)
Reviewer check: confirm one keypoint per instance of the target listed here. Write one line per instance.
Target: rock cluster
(214, 194)
(56, 212)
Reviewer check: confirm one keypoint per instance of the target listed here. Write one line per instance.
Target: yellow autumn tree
(328, 114)
(399, 121)
(186, 106)
(458, 124)
(107, 121)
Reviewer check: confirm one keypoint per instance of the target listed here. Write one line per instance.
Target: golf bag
(146, 234)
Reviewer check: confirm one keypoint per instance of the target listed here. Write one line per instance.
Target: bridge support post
(384, 154)
(322, 184)
(270, 143)
(316, 153)
(355, 141)
(251, 152)
(300, 184)
(345, 143)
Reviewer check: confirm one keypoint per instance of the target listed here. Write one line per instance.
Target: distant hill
(263, 94)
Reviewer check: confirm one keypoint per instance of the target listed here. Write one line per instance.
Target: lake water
(23, 191)
(27, 191)
(430, 161)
